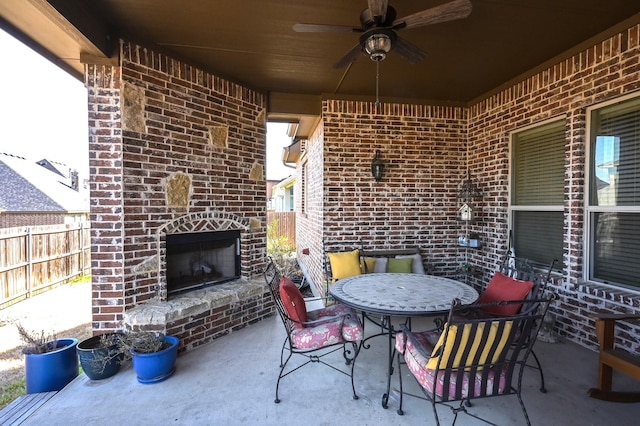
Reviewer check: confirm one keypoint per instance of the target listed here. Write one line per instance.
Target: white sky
(43, 110)
(276, 140)
(43, 113)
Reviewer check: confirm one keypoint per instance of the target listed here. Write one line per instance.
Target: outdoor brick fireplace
(201, 250)
(178, 198)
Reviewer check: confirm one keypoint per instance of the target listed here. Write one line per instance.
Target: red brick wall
(11, 220)
(427, 151)
(129, 171)
(309, 221)
(216, 322)
(424, 152)
(599, 73)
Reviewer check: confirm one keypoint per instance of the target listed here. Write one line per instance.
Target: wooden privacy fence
(35, 259)
(286, 224)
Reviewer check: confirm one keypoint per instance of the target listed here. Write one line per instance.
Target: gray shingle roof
(29, 187)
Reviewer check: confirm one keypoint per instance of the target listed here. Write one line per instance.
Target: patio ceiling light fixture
(377, 46)
(377, 167)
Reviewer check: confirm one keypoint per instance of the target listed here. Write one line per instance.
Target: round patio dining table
(400, 295)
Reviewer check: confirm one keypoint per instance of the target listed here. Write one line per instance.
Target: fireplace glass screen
(201, 259)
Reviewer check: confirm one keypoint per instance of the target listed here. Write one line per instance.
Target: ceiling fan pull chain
(377, 84)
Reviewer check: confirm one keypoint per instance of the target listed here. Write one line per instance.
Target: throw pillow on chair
(503, 288)
(344, 264)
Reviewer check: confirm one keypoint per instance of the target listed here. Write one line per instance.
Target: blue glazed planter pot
(157, 366)
(52, 371)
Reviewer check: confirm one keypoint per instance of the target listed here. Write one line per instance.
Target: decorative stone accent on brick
(218, 136)
(179, 190)
(257, 172)
(133, 104)
(149, 265)
(254, 224)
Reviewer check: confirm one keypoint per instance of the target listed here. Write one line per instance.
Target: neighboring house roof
(270, 185)
(291, 153)
(285, 183)
(52, 166)
(30, 187)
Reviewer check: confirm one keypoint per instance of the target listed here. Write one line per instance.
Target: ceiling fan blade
(321, 28)
(378, 9)
(456, 9)
(408, 51)
(349, 57)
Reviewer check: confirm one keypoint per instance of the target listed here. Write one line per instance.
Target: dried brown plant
(37, 343)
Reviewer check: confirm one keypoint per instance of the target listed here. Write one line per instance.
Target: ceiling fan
(379, 26)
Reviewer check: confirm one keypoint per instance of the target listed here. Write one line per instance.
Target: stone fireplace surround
(197, 223)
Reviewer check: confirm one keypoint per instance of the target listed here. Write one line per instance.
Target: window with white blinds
(613, 207)
(537, 192)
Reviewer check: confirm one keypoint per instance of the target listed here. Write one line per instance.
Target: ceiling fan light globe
(377, 46)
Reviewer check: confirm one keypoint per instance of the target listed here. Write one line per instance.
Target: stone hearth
(206, 314)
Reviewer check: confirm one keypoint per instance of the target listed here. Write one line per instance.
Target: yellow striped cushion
(466, 331)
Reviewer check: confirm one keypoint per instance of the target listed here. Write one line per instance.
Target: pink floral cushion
(426, 376)
(330, 332)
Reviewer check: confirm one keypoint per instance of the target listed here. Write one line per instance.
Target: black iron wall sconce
(377, 167)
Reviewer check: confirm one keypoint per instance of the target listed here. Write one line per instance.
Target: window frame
(590, 210)
(511, 207)
(304, 186)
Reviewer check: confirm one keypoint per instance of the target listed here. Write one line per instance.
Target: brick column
(107, 218)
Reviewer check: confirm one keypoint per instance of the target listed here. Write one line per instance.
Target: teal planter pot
(156, 366)
(53, 370)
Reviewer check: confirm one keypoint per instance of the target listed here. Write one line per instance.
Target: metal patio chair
(315, 334)
(521, 269)
(471, 358)
(516, 279)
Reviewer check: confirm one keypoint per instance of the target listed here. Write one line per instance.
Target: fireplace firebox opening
(197, 260)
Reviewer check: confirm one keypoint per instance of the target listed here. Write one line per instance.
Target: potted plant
(467, 268)
(50, 363)
(153, 355)
(101, 356)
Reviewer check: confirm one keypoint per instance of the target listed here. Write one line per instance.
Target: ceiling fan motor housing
(368, 19)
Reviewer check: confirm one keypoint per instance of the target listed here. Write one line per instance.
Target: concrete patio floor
(232, 381)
